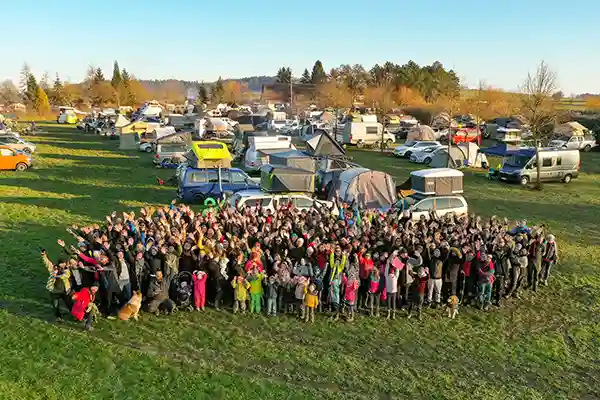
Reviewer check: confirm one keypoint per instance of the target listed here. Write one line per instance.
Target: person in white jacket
(391, 285)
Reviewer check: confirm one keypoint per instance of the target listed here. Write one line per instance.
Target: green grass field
(546, 346)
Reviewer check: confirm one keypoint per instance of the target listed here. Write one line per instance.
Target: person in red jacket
(83, 306)
(421, 278)
(366, 265)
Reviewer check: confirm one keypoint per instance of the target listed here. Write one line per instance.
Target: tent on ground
(208, 154)
(437, 181)
(293, 159)
(440, 159)
(365, 188)
(129, 140)
(121, 121)
(285, 179)
(324, 145)
(473, 156)
(420, 132)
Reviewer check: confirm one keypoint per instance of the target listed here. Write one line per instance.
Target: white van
(272, 201)
(366, 133)
(259, 148)
(419, 205)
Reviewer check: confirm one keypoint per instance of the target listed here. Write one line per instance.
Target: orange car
(13, 159)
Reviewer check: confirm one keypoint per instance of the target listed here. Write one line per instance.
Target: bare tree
(538, 106)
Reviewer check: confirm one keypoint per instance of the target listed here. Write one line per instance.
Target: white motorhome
(260, 147)
(365, 133)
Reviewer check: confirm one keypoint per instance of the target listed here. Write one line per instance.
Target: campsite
(79, 177)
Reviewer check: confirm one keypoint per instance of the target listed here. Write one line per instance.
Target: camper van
(365, 133)
(259, 148)
(559, 165)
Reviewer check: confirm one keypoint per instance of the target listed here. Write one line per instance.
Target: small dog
(452, 307)
(132, 308)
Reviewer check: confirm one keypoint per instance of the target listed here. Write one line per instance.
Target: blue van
(195, 185)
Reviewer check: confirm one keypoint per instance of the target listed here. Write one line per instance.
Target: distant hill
(177, 85)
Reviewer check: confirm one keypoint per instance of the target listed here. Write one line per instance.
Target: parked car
(272, 201)
(195, 185)
(419, 205)
(425, 155)
(410, 147)
(14, 160)
(169, 152)
(557, 165)
(147, 147)
(276, 125)
(585, 143)
(16, 143)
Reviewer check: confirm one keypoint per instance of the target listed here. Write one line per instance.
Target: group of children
(293, 261)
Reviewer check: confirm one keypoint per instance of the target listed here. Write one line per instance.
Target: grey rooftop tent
(437, 181)
(285, 179)
(293, 159)
(323, 145)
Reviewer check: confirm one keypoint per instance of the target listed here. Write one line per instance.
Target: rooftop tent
(440, 159)
(176, 137)
(324, 145)
(420, 132)
(285, 179)
(501, 150)
(569, 129)
(129, 141)
(209, 154)
(121, 121)
(365, 188)
(293, 159)
(437, 181)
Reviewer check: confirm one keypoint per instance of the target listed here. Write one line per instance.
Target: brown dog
(452, 307)
(132, 308)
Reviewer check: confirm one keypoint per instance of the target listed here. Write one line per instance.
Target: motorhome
(365, 133)
(559, 165)
(259, 148)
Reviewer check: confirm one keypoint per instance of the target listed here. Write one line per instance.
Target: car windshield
(409, 144)
(517, 160)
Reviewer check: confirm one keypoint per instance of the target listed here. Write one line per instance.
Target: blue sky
(495, 41)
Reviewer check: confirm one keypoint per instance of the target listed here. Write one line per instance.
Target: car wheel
(21, 167)
(408, 154)
(587, 148)
(567, 178)
(427, 160)
(524, 180)
(148, 150)
(27, 150)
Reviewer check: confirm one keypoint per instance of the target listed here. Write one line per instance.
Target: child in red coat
(83, 306)
(199, 278)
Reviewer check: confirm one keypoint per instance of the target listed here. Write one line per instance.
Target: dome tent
(420, 132)
(365, 188)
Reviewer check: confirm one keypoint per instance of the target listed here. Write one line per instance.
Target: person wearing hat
(58, 284)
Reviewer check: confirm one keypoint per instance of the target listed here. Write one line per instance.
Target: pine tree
(57, 94)
(284, 75)
(218, 90)
(116, 78)
(125, 77)
(98, 76)
(31, 89)
(306, 78)
(40, 103)
(318, 75)
(25, 73)
(202, 94)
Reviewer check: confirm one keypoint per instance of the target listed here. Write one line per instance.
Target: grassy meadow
(546, 346)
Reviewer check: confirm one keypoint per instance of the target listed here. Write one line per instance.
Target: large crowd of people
(337, 262)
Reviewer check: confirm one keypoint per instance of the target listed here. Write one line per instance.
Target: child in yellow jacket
(240, 293)
(311, 301)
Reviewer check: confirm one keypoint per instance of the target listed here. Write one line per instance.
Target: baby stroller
(182, 290)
